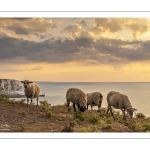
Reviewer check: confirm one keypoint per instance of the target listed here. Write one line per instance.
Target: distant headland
(9, 85)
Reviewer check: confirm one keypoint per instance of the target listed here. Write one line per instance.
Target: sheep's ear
(22, 81)
(134, 109)
(30, 82)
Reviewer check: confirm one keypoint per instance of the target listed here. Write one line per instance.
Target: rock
(9, 85)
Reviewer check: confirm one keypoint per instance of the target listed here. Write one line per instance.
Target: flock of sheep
(83, 100)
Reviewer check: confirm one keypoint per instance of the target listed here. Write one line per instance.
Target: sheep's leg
(27, 101)
(68, 105)
(37, 100)
(108, 108)
(87, 106)
(91, 107)
(31, 100)
(99, 106)
(78, 107)
(123, 111)
(74, 107)
(112, 113)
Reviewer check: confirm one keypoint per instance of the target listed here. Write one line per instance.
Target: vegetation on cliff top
(16, 117)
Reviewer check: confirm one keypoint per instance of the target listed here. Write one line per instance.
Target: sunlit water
(138, 92)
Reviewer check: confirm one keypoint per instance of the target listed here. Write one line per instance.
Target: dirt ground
(16, 117)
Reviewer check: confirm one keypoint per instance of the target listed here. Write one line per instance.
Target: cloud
(84, 48)
(26, 26)
(96, 31)
(112, 25)
(138, 26)
(83, 23)
(74, 30)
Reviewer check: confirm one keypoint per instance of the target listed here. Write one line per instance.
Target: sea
(138, 92)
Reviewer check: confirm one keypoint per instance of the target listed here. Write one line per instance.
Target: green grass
(93, 119)
(146, 127)
(4, 97)
(47, 108)
(140, 115)
(79, 115)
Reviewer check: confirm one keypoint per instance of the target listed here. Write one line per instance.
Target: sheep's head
(82, 108)
(130, 111)
(26, 83)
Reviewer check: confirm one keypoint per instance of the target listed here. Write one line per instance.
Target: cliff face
(9, 85)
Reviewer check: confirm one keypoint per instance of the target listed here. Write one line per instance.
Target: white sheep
(31, 90)
(77, 97)
(119, 101)
(94, 99)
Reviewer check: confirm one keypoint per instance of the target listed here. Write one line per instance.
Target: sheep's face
(26, 83)
(82, 108)
(130, 111)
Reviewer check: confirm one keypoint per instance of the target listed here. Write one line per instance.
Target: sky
(75, 49)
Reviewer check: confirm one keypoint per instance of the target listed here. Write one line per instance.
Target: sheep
(119, 101)
(31, 90)
(94, 99)
(77, 97)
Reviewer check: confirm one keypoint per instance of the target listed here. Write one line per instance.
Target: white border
(76, 5)
(71, 135)
(60, 9)
(72, 14)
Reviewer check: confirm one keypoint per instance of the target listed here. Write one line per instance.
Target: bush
(140, 115)
(44, 104)
(146, 126)
(79, 115)
(4, 97)
(47, 108)
(93, 119)
(109, 120)
(49, 113)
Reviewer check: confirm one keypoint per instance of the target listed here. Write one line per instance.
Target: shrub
(47, 108)
(84, 129)
(4, 97)
(48, 113)
(140, 115)
(79, 115)
(93, 119)
(44, 104)
(146, 126)
(109, 120)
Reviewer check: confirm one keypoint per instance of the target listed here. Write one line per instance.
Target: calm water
(138, 92)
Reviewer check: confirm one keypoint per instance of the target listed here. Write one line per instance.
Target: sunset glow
(75, 49)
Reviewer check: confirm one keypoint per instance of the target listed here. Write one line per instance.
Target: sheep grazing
(77, 97)
(119, 101)
(94, 99)
(31, 90)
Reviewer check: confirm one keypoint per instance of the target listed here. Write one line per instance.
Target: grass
(47, 108)
(93, 119)
(4, 97)
(88, 121)
(79, 115)
(146, 127)
(140, 115)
